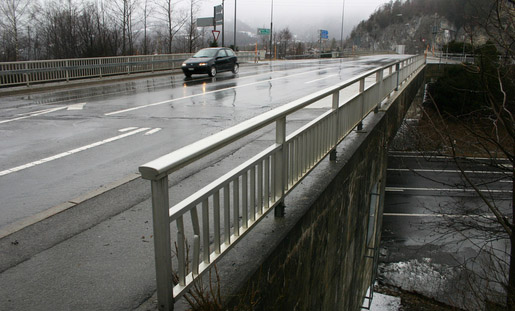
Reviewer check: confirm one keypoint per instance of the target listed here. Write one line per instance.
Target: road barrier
(227, 209)
(42, 71)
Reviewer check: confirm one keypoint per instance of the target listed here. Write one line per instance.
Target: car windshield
(205, 53)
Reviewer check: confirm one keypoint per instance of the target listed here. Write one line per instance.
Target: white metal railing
(224, 211)
(31, 72)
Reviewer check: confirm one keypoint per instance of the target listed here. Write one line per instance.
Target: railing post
(162, 244)
(100, 67)
(67, 64)
(397, 68)
(128, 66)
(335, 108)
(280, 166)
(27, 79)
(379, 79)
(362, 100)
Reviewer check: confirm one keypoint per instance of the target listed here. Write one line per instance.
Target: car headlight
(202, 64)
(183, 64)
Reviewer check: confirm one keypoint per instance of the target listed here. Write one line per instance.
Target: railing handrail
(51, 70)
(177, 159)
(104, 57)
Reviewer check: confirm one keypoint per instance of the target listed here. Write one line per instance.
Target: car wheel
(236, 68)
(212, 71)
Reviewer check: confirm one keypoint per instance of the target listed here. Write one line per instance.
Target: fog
(303, 17)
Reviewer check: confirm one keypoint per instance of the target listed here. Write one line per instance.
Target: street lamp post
(341, 38)
(271, 29)
(234, 41)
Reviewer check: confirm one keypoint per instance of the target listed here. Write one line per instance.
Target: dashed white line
(153, 131)
(67, 153)
(127, 129)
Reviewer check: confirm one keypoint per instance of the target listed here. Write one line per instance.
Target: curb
(31, 220)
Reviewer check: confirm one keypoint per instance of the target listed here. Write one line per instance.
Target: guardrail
(464, 58)
(31, 72)
(232, 205)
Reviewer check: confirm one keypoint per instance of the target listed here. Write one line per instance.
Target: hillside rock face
(416, 35)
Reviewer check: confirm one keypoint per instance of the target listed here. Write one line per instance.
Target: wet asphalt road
(59, 145)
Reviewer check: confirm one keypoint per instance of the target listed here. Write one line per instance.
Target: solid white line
(210, 92)
(441, 171)
(153, 131)
(436, 215)
(67, 153)
(411, 155)
(34, 114)
(401, 189)
(329, 76)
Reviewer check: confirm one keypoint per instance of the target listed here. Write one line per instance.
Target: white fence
(31, 72)
(229, 207)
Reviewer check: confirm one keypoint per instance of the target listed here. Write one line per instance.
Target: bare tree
(11, 20)
(173, 19)
(284, 38)
(123, 11)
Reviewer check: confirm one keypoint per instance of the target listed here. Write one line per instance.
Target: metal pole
(223, 23)
(234, 44)
(341, 38)
(271, 29)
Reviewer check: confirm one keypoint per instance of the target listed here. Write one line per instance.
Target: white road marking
(437, 215)
(401, 189)
(127, 129)
(429, 156)
(153, 131)
(441, 171)
(34, 114)
(210, 92)
(327, 77)
(79, 106)
(67, 153)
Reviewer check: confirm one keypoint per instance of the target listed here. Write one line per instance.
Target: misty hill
(418, 24)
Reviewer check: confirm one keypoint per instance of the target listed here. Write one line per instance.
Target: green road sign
(263, 31)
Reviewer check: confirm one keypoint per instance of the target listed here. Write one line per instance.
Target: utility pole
(341, 38)
(234, 41)
(271, 29)
(223, 23)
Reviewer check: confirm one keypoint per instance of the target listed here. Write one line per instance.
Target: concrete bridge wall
(319, 259)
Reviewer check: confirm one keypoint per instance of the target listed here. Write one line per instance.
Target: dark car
(211, 61)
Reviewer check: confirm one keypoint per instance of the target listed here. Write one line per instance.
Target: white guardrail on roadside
(41, 71)
(229, 207)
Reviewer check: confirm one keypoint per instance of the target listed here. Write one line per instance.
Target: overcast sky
(318, 14)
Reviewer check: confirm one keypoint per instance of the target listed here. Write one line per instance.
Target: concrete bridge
(323, 175)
